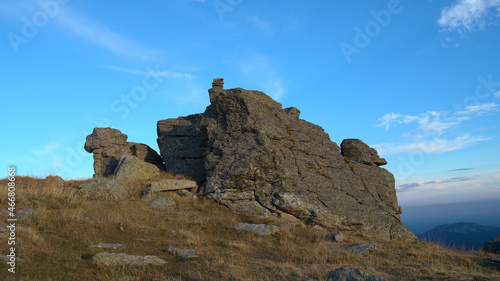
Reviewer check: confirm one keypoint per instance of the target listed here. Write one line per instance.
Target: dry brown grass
(55, 244)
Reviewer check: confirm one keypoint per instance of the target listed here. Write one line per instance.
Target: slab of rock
(156, 187)
(106, 245)
(245, 142)
(162, 203)
(261, 229)
(492, 246)
(103, 190)
(352, 274)
(183, 253)
(361, 248)
(335, 236)
(121, 259)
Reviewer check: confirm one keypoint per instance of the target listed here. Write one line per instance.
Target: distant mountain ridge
(465, 236)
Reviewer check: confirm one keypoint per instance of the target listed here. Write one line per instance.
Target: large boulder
(103, 190)
(131, 169)
(257, 158)
(110, 146)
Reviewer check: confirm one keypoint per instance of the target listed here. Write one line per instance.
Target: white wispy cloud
(465, 15)
(430, 184)
(433, 132)
(151, 72)
(103, 37)
(497, 94)
(434, 145)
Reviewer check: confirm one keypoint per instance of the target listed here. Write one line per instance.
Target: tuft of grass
(55, 245)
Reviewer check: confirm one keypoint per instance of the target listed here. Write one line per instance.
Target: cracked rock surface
(257, 158)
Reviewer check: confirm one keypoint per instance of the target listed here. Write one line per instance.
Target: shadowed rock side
(259, 159)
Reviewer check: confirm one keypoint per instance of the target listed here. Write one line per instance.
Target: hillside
(54, 245)
(460, 236)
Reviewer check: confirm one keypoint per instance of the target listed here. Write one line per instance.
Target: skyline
(418, 81)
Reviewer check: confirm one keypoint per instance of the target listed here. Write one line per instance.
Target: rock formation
(110, 148)
(259, 159)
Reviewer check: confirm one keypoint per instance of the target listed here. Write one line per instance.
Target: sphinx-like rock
(110, 147)
(249, 151)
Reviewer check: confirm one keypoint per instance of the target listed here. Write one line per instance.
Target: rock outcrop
(257, 158)
(110, 147)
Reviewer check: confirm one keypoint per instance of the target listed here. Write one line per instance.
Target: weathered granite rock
(103, 190)
(26, 214)
(261, 229)
(492, 246)
(162, 203)
(106, 145)
(121, 259)
(358, 151)
(361, 248)
(348, 273)
(181, 147)
(106, 245)
(259, 159)
(155, 188)
(109, 146)
(335, 236)
(183, 253)
(131, 169)
(10, 258)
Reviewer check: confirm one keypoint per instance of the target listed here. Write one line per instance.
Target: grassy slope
(54, 246)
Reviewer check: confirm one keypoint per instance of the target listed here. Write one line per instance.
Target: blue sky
(417, 80)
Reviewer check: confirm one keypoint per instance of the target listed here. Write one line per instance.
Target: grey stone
(162, 203)
(246, 143)
(183, 253)
(492, 246)
(146, 239)
(361, 248)
(335, 236)
(156, 187)
(260, 229)
(121, 259)
(352, 274)
(132, 169)
(26, 214)
(106, 245)
(9, 258)
(103, 190)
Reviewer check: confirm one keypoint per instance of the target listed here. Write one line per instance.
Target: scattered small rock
(183, 253)
(146, 239)
(162, 203)
(9, 258)
(120, 227)
(335, 236)
(261, 229)
(121, 259)
(106, 246)
(352, 274)
(361, 248)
